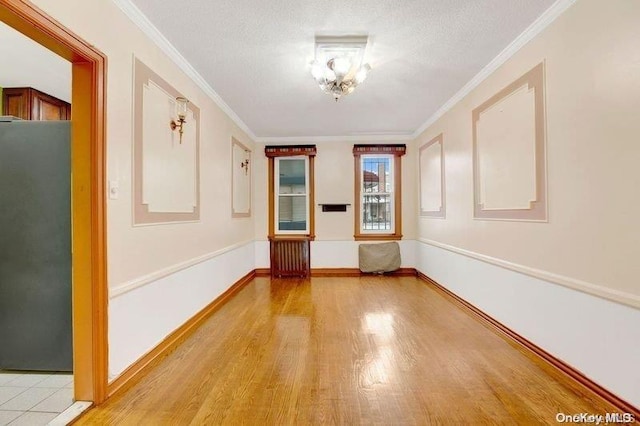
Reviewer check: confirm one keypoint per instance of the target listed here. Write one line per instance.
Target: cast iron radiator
(290, 257)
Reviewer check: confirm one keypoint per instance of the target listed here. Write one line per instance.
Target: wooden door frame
(88, 121)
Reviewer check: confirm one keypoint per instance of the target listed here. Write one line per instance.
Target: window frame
(361, 152)
(275, 151)
(392, 194)
(277, 194)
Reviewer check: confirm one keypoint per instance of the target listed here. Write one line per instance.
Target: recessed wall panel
(432, 187)
(506, 152)
(166, 167)
(241, 179)
(509, 152)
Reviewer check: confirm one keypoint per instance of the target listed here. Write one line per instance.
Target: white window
(291, 191)
(377, 184)
(378, 191)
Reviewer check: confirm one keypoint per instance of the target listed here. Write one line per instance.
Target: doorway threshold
(71, 413)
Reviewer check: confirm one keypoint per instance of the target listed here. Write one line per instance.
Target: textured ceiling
(255, 55)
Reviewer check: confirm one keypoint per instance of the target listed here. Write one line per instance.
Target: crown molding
(347, 138)
(142, 22)
(543, 21)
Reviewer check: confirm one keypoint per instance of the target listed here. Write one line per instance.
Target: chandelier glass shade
(338, 67)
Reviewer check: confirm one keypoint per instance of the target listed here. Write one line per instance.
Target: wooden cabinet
(31, 104)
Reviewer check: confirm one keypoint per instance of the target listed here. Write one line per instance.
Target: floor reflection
(379, 367)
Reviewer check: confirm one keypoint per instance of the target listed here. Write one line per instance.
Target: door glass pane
(292, 212)
(292, 179)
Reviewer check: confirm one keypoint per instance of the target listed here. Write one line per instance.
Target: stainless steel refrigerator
(35, 245)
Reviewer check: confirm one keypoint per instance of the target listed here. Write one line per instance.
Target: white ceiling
(26, 63)
(255, 55)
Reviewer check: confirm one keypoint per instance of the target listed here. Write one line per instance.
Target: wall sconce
(181, 110)
(245, 164)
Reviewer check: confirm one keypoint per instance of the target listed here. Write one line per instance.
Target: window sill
(377, 237)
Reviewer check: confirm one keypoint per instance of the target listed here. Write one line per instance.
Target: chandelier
(338, 67)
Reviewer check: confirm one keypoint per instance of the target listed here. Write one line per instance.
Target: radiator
(290, 257)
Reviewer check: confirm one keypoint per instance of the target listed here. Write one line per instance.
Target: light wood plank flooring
(370, 350)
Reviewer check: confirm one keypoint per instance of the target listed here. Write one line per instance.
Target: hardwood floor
(370, 350)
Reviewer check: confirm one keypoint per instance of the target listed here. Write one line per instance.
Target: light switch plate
(114, 190)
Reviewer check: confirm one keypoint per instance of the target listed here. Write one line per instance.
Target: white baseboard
(595, 336)
(141, 318)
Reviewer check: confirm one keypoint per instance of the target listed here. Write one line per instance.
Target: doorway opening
(88, 276)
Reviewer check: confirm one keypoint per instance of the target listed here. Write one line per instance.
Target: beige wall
(137, 251)
(334, 178)
(23, 62)
(592, 98)
(592, 59)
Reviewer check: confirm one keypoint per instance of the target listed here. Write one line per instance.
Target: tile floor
(33, 399)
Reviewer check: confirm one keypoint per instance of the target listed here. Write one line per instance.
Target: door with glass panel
(292, 195)
(290, 244)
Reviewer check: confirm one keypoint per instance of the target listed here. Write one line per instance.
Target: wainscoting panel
(262, 254)
(344, 254)
(336, 254)
(141, 318)
(597, 337)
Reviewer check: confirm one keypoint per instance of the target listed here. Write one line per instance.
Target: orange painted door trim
(88, 117)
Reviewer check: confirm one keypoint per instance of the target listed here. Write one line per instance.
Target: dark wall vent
(334, 207)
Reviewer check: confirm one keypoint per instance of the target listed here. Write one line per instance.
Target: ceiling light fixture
(338, 67)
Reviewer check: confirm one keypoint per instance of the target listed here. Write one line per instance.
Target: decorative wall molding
(241, 167)
(157, 171)
(356, 272)
(271, 151)
(131, 285)
(513, 125)
(142, 22)
(572, 283)
(397, 150)
(346, 138)
(539, 25)
(431, 145)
